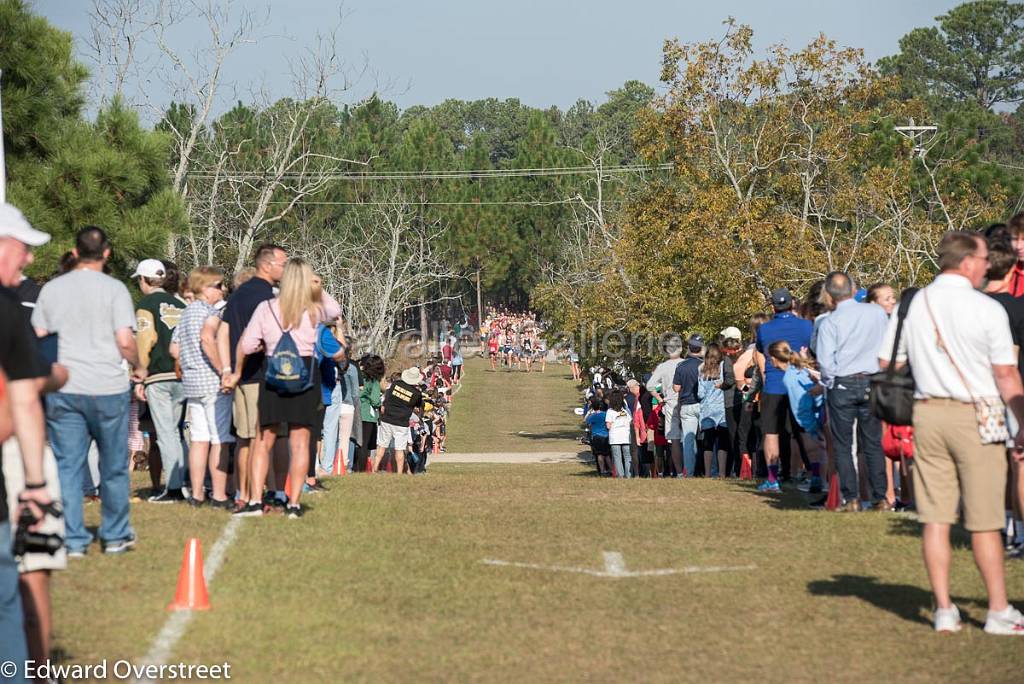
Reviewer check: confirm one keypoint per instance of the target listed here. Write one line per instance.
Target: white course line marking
(615, 567)
(177, 622)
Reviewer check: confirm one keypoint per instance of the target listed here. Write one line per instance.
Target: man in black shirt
(270, 260)
(24, 377)
(397, 406)
(684, 382)
(1002, 260)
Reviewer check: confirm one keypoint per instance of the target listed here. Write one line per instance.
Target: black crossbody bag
(891, 392)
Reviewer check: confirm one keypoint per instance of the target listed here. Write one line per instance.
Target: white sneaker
(947, 619)
(1007, 622)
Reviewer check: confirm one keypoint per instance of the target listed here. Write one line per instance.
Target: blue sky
(544, 53)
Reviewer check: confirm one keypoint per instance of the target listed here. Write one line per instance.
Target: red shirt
(653, 422)
(1017, 280)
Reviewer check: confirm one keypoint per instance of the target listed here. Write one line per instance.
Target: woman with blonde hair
(806, 400)
(297, 310)
(207, 406)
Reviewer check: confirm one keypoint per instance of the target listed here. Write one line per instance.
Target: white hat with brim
(150, 268)
(731, 333)
(412, 376)
(14, 224)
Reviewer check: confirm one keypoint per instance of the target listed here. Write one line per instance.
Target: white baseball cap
(14, 224)
(150, 268)
(731, 333)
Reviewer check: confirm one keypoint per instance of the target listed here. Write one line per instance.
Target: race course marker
(615, 567)
(175, 626)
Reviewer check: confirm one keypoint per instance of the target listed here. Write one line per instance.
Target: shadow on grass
(905, 527)
(906, 601)
(790, 499)
(551, 434)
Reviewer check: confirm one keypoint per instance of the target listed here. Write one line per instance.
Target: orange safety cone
(339, 464)
(746, 468)
(834, 501)
(369, 464)
(191, 594)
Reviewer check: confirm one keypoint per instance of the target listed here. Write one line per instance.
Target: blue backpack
(286, 371)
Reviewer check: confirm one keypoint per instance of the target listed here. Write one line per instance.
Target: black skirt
(294, 409)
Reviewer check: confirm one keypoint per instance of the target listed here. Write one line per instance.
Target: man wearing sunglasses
(156, 316)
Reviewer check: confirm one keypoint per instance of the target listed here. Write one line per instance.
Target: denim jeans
(848, 403)
(12, 631)
(622, 460)
(689, 418)
(334, 430)
(72, 421)
(166, 403)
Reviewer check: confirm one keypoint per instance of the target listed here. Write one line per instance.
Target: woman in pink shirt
(299, 308)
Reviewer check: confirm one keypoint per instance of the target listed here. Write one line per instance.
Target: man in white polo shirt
(974, 360)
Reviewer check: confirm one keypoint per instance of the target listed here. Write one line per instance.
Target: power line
(525, 203)
(477, 174)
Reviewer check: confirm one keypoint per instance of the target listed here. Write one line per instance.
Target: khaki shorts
(951, 464)
(397, 437)
(14, 478)
(245, 410)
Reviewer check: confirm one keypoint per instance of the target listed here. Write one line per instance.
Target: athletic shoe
(851, 506)
(816, 486)
(196, 503)
(77, 553)
(1016, 552)
(772, 487)
(309, 489)
(947, 619)
(1008, 622)
(882, 506)
(167, 496)
(119, 546)
(226, 504)
(249, 510)
(294, 512)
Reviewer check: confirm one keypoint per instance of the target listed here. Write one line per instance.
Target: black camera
(27, 541)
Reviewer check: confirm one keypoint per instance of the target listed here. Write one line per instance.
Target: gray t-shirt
(663, 375)
(85, 308)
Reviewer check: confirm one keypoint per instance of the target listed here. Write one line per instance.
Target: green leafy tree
(65, 172)
(975, 54)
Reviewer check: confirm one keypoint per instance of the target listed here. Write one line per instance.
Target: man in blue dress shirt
(847, 350)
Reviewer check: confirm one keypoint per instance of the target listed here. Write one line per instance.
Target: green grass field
(512, 410)
(383, 581)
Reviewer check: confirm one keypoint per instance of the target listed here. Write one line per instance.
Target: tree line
(670, 212)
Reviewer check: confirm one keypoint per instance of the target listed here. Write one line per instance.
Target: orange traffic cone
(339, 464)
(191, 594)
(369, 464)
(746, 468)
(834, 501)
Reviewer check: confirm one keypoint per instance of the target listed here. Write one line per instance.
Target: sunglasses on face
(217, 286)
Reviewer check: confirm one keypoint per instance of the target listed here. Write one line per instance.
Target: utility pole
(915, 134)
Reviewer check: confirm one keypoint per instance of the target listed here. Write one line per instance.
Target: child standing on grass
(806, 398)
(656, 429)
(595, 419)
(619, 422)
(711, 386)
